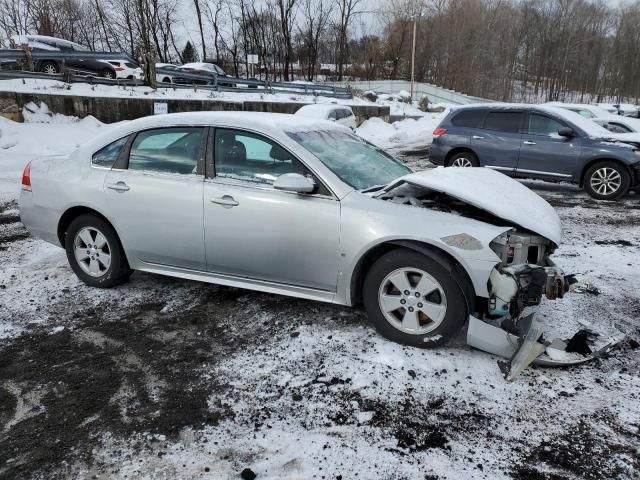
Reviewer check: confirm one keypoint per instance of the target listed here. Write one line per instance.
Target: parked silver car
(301, 207)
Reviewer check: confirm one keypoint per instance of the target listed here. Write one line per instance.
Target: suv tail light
(438, 132)
(26, 177)
(119, 69)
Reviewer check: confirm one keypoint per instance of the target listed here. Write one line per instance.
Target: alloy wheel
(606, 181)
(461, 162)
(412, 301)
(92, 251)
(50, 69)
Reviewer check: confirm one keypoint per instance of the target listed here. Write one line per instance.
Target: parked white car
(623, 129)
(609, 107)
(167, 72)
(334, 113)
(126, 69)
(584, 109)
(619, 124)
(628, 110)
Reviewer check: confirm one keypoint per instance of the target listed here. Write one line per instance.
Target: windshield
(358, 163)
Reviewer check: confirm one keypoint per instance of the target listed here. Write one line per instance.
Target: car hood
(492, 192)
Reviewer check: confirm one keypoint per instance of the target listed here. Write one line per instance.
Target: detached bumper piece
(527, 345)
(511, 330)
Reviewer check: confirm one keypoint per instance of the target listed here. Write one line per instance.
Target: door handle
(477, 137)
(529, 142)
(226, 201)
(118, 186)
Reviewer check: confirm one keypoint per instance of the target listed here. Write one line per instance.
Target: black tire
(106, 73)
(465, 155)
(456, 309)
(118, 271)
(49, 65)
(593, 179)
(166, 80)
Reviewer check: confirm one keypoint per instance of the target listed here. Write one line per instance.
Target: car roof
(271, 124)
(589, 127)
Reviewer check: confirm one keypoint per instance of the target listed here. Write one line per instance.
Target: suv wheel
(412, 299)
(607, 180)
(94, 252)
(463, 159)
(106, 73)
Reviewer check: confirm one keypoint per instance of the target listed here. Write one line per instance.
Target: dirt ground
(166, 378)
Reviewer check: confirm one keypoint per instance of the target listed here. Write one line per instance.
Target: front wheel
(607, 180)
(94, 252)
(463, 159)
(413, 300)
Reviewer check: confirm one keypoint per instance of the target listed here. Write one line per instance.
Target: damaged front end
(504, 323)
(508, 327)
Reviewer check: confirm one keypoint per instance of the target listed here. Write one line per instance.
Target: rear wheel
(106, 73)
(413, 300)
(94, 252)
(49, 67)
(607, 180)
(463, 159)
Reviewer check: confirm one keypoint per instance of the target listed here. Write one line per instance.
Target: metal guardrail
(433, 92)
(198, 81)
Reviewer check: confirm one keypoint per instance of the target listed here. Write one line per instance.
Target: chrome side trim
(551, 174)
(506, 169)
(240, 282)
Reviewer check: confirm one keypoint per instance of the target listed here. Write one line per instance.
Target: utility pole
(413, 55)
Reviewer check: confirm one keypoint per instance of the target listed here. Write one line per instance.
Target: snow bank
(43, 133)
(406, 132)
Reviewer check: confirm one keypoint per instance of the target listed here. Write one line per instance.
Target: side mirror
(294, 182)
(566, 132)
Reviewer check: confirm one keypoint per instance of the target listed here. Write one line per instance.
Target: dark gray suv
(535, 141)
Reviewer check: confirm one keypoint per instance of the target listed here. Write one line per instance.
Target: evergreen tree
(189, 54)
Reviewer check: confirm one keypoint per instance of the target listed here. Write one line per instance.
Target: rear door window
(175, 150)
(508, 122)
(469, 118)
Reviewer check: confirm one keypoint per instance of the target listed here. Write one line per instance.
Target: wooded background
(582, 50)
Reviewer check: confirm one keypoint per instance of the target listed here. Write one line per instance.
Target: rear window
(503, 121)
(130, 65)
(107, 156)
(469, 118)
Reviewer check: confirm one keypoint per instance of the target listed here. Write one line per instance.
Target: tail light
(119, 69)
(438, 132)
(26, 177)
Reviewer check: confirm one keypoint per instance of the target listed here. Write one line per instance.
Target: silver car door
(255, 231)
(155, 199)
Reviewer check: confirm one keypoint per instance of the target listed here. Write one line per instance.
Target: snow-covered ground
(165, 379)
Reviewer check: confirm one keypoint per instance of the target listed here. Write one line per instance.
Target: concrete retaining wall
(115, 109)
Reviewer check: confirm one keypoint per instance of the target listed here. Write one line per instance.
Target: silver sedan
(300, 207)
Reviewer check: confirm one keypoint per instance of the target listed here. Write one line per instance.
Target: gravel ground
(167, 378)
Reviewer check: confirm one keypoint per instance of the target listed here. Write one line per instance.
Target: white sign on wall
(160, 108)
